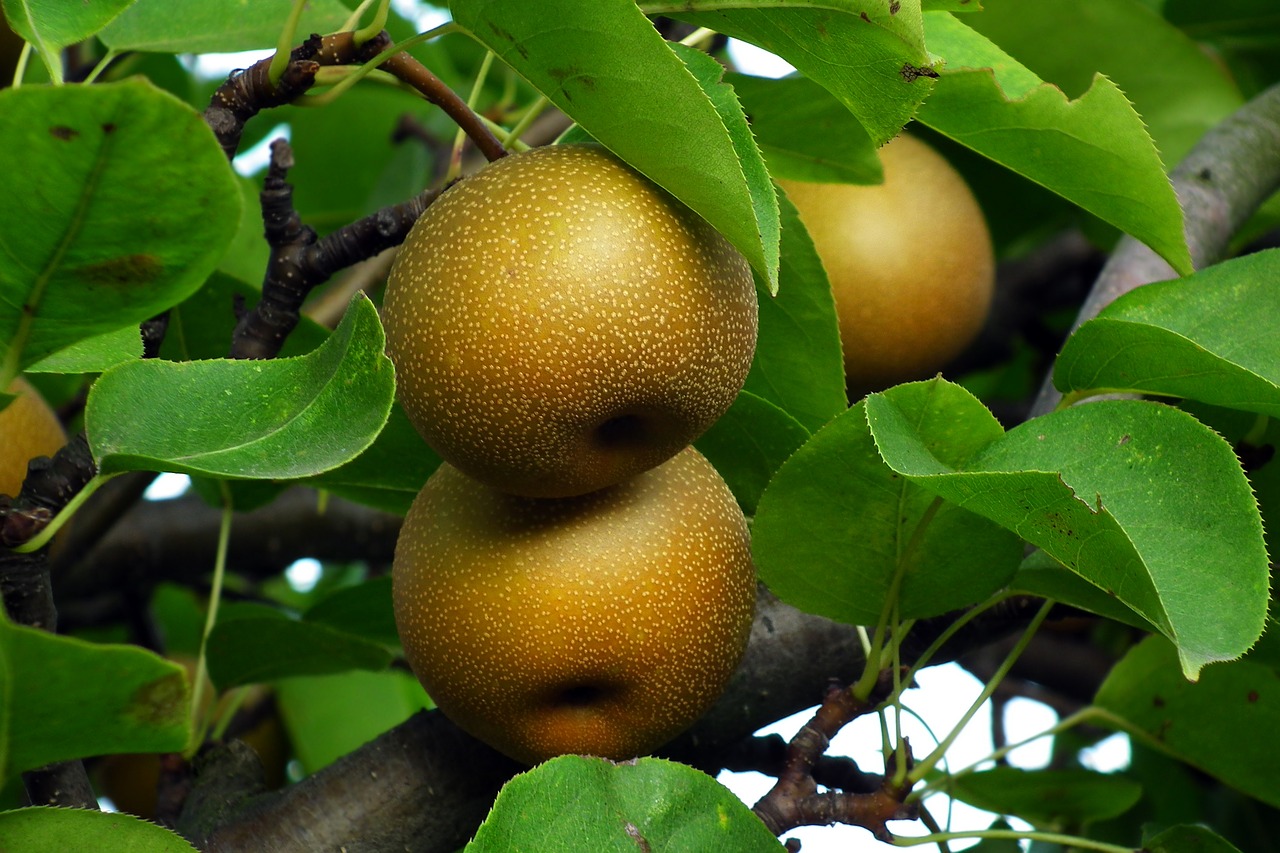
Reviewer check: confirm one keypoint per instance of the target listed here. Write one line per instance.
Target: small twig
(300, 259)
(795, 800)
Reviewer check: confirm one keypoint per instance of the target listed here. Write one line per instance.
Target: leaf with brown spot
(120, 205)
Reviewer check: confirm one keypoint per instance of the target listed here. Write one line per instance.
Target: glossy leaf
(836, 522)
(51, 25)
(279, 419)
(1140, 499)
(748, 444)
(804, 133)
(579, 804)
(614, 75)
(1067, 44)
(120, 204)
(215, 26)
(1224, 724)
(1093, 150)
(1206, 338)
(298, 647)
(1044, 576)
(140, 701)
(798, 363)
(1047, 798)
(869, 54)
(48, 829)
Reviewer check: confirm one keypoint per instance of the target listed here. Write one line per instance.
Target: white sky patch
(304, 574)
(750, 59)
(167, 486)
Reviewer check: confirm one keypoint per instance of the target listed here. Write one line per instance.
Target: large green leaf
(798, 363)
(1094, 150)
(605, 66)
(836, 523)
(120, 204)
(281, 419)
(140, 702)
(95, 354)
(47, 829)
(1225, 724)
(215, 26)
(1066, 44)
(1140, 499)
(869, 54)
(1211, 337)
(51, 25)
(1188, 839)
(578, 804)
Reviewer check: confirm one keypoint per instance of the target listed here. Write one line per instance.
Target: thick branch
(1221, 183)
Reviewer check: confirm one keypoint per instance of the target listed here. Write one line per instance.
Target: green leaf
(215, 26)
(140, 701)
(1067, 45)
(836, 522)
(120, 204)
(328, 716)
(51, 25)
(576, 803)
(1199, 338)
(1188, 839)
(613, 74)
(237, 645)
(1047, 798)
(95, 354)
(798, 363)
(748, 444)
(48, 829)
(869, 54)
(390, 473)
(363, 610)
(805, 134)
(1224, 724)
(1093, 151)
(1139, 499)
(279, 419)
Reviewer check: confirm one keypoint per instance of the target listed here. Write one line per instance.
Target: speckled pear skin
(28, 428)
(559, 323)
(602, 624)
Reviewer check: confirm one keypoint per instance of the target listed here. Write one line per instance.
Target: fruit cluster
(575, 578)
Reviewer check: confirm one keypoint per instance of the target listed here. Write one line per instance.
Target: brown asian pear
(601, 624)
(28, 428)
(910, 261)
(559, 323)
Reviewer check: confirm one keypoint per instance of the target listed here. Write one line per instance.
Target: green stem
(101, 66)
(35, 543)
(871, 672)
(924, 767)
(20, 70)
(952, 630)
(211, 618)
(356, 75)
(477, 86)
(284, 44)
(1070, 841)
(529, 117)
(377, 25)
